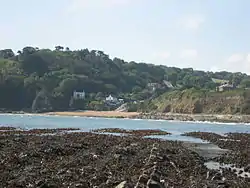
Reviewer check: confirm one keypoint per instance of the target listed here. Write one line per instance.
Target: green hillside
(34, 79)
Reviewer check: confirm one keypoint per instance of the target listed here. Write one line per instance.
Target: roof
(77, 91)
(168, 84)
(226, 85)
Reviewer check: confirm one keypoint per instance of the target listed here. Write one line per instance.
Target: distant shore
(220, 118)
(107, 114)
(157, 116)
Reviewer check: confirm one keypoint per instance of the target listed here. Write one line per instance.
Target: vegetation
(200, 101)
(44, 80)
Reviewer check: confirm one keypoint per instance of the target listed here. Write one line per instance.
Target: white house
(225, 87)
(79, 94)
(110, 98)
(113, 101)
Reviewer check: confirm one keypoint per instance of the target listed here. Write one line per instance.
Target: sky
(211, 35)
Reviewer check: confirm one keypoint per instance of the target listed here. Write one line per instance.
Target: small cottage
(79, 94)
(113, 101)
(225, 87)
(110, 98)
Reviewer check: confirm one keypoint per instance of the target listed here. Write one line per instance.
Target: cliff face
(196, 101)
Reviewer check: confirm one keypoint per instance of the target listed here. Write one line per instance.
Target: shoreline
(104, 114)
(209, 118)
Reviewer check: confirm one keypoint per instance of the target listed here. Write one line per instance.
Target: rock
(46, 185)
(121, 185)
(39, 183)
(155, 176)
(154, 184)
(143, 179)
(247, 168)
(217, 176)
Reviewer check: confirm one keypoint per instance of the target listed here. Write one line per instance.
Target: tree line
(33, 79)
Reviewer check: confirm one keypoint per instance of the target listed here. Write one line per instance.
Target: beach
(106, 114)
(222, 118)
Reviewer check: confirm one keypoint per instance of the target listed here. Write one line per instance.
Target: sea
(176, 128)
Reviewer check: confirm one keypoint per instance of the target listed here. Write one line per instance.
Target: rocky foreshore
(87, 160)
(238, 145)
(196, 117)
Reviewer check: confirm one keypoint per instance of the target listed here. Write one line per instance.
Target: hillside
(193, 101)
(36, 79)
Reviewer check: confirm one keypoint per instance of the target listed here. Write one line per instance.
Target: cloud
(237, 57)
(192, 22)
(162, 55)
(248, 58)
(188, 53)
(238, 62)
(77, 5)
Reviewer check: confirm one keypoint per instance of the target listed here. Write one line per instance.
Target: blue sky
(203, 34)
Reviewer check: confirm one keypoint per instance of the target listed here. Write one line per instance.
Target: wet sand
(91, 160)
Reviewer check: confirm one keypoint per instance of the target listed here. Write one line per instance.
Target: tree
(60, 72)
(7, 53)
(99, 96)
(245, 83)
(136, 89)
(110, 88)
(28, 50)
(59, 48)
(34, 63)
(67, 85)
(77, 104)
(172, 77)
(97, 105)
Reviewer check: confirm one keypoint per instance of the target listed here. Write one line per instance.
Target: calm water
(86, 124)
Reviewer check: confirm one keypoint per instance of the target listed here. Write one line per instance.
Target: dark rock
(143, 178)
(39, 183)
(247, 168)
(154, 184)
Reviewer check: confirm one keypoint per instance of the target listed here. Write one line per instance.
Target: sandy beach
(222, 118)
(97, 114)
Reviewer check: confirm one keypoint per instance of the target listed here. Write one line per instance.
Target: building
(225, 87)
(121, 101)
(153, 86)
(110, 98)
(113, 101)
(79, 94)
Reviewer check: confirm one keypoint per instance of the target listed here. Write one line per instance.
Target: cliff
(194, 101)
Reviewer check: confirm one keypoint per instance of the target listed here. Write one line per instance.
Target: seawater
(176, 128)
